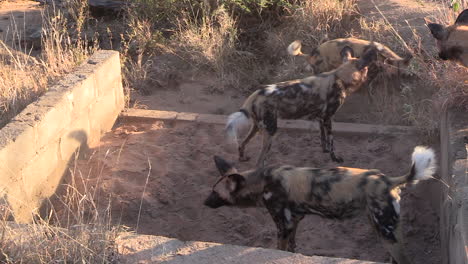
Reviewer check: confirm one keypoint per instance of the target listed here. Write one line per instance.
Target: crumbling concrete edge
(454, 197)
(338, 127)
(134, 248)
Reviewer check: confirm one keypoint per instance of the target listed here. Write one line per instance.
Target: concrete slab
(338, 127)
(142, 249)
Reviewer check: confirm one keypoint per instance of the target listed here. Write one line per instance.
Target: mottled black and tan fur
(289, 193)
(452, 41)
(317, 97)
(326, 56)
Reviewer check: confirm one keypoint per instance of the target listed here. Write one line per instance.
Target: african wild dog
(326, 56)
(314, 97)
(452, 41)
(289, 193)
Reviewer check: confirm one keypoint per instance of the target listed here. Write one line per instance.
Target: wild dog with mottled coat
(452, 41)
(289, 193)
(314, 97)
(326, 56)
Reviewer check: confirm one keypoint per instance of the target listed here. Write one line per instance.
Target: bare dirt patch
(171, 193)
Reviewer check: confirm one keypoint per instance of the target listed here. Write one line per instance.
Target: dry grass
(23, 77)
(85, 234)
(434, 84)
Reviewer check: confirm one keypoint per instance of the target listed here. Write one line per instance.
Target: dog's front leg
(284, 223)
(292, 238)
(328, 128)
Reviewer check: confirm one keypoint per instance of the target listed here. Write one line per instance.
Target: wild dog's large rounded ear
(462, 18)
(223, 166)
(367, 58)
(236, 181)
(346, 53)
(437, 30)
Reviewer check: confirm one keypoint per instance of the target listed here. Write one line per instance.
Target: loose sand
(182, 172)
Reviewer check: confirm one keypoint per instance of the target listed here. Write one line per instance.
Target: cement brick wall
(37, 145)
(454, 202)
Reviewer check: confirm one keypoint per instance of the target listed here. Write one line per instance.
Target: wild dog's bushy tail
(240, 120)
(294, 49)
(236, 122)
(423, 167)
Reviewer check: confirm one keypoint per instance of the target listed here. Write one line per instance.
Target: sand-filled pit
(180, 155)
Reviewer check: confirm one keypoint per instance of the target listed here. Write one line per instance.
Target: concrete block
(183, 116)
(142, 114)
(104, 112)
(37, 171)
(107, 73)
(37, 145)
(18, 144)
(298, 124)
(76, 138)
(119, 94)
(83, 94)
(135, 248)
(53, 122)
(212, 119)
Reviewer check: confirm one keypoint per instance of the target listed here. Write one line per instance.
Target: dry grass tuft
(71, 228)
(23, 77)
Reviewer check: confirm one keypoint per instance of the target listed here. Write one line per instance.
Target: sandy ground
(19, 18)
(171, 193)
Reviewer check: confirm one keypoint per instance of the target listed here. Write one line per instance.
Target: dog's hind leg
(323, 137)
(384, 214)
(266, 145)
(253, 131)
(329, 136)
(268, 126)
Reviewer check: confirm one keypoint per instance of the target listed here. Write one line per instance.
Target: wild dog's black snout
(215, 201)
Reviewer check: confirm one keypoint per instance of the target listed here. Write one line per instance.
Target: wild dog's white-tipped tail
(424, 163)
(294, 48)
(236, 122)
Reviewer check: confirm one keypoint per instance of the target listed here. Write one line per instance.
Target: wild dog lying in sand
(289, 193)
(314, 97)
(326, 56)
(452, 41)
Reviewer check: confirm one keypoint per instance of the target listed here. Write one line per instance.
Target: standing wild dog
(315, 97)
(452, 41)
(289, 193)
(326, 56)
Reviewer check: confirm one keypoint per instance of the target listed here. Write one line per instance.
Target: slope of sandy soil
(182, 172)
(18, 19)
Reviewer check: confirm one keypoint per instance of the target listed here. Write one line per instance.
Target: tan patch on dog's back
(295, 181)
